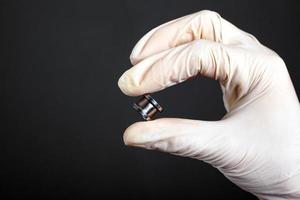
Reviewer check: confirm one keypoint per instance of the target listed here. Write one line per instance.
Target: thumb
(202, 140)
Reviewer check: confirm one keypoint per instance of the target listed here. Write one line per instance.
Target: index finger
(205, 24)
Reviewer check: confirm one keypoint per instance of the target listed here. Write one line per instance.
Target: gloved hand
(257, 143)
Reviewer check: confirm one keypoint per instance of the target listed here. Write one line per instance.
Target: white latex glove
(257, 143)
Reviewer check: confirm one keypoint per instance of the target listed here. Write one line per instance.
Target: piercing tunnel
(147, 107)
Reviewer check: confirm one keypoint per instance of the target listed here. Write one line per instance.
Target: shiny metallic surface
(147, 107)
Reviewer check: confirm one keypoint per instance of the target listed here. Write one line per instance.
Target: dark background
(63, 116)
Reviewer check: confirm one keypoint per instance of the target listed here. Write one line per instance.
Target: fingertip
(134, 58)
(122, 84)
(126, 85)
(133, 135)
(127, 136)
(142, 133)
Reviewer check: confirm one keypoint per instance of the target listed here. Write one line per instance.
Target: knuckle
(278, 60)
(208, 14)
(170, 145)
(274, 61)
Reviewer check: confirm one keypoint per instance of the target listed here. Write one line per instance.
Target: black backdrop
(63, 116)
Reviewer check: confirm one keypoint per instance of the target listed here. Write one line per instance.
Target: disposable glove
(256, 144)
